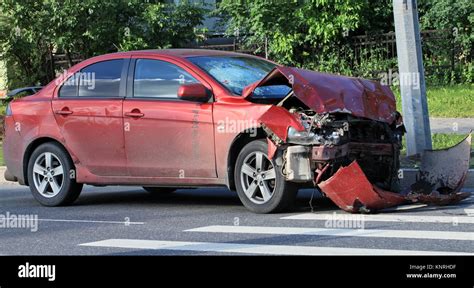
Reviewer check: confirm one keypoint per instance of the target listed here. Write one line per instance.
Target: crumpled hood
(327, 93)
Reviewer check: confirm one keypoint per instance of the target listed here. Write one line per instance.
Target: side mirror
(193, 92)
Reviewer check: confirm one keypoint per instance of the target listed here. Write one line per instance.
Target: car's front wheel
(51, 176)
(261, 186)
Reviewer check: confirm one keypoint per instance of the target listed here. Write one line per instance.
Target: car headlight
(300, 137)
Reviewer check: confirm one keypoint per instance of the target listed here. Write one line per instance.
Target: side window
(159, 79)
(97, 80)
(69, 88)
(101, 79)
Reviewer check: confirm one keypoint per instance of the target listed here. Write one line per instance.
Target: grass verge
(440, 141)
(448, 102)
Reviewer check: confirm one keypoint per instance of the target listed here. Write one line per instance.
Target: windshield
(237, 72)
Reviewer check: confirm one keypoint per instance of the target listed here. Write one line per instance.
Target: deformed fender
(278, 120)
(351, 191)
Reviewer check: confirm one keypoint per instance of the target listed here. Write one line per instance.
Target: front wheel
(260, 185)
(51, 176)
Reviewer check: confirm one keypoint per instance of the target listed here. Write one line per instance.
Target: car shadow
(203, 196)
(180, 197)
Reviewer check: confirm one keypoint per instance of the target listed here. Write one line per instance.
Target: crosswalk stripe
(388, 218)
(335, 232)
(254, 248)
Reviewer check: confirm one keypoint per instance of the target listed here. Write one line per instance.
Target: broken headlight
(302, 137)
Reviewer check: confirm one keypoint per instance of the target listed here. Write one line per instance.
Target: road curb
(409, 177)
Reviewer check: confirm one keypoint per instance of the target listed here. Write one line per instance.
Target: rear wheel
(159, 190)
(260, 185)
(51, 176)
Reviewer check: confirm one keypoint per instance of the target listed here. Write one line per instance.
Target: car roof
(185, 53)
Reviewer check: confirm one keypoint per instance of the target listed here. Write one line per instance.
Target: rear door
(88, 110)
(165, 136)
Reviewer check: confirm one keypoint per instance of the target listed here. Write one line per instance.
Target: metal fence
(442, 53)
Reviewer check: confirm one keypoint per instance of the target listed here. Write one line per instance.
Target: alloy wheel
(48, 174)
(257, 176)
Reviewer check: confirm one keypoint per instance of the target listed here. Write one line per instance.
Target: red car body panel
(327, 93)
(278, 120)
(94, 131)
(228, 112)
(186, 127)
(349, 189)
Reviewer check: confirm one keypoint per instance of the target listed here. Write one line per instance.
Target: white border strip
(256, 249)
(91, 221)
(388, 218)
(373, 233)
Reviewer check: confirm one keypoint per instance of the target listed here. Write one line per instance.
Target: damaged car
(184, 118)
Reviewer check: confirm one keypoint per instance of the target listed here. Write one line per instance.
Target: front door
(165, 136)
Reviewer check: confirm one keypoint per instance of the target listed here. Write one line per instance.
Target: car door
(88, 110)
(166, 136)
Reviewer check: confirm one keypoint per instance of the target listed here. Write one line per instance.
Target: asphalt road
(129, 221)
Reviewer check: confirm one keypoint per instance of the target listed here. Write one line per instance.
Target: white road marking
(91, 221)
(254, 248)
(405, 207)
(469, 212)
(336, 232)
(387, 218)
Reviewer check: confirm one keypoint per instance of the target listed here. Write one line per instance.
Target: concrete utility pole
(412, 76)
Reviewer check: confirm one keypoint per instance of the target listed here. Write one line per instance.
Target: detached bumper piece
(441, 177)
(350, 189)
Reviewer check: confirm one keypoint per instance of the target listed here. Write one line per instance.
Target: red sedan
(169, 119)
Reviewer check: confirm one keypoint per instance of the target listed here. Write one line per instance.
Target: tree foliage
(295, 30)
(313, 33)
(307, 33)
(31, 30)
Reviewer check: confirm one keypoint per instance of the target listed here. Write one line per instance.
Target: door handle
(135, 113)
(64, 111)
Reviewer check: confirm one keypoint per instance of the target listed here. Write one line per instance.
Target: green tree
(162, 26)
(457, 17)
(298, 32)
(30, 30)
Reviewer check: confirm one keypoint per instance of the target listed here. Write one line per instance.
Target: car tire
(52, 176)
(261, 186)
(159, 190)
